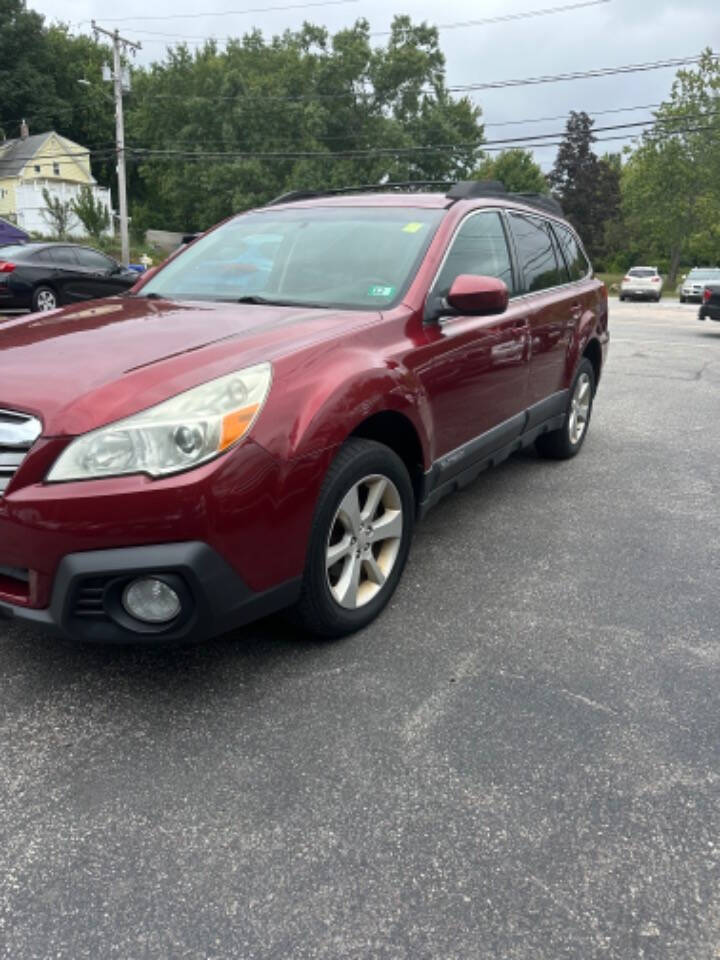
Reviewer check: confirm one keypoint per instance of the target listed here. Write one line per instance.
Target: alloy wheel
(579, 408)
(46, 300)
(364, 541)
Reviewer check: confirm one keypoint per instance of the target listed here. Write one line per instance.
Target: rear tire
(360, 539)
(622, 298)
(44, 299)
(682, 299)
(566, 442)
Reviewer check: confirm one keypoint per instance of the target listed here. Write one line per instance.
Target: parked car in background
(710, 307)
(192, 456)
(693, 285)
(43, 276)
(641, 283)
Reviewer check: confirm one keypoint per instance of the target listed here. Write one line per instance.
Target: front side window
(479, 248)
(536, 253)
(575, 259)
(354, 257)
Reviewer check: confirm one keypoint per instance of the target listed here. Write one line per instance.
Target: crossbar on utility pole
(118, 43)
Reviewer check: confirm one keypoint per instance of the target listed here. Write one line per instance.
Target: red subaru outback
(260, 423)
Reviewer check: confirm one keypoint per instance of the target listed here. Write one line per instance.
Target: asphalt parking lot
(520, 760)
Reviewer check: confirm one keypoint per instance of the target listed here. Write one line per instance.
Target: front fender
(319, 407)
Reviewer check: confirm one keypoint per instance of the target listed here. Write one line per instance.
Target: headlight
(189, 429)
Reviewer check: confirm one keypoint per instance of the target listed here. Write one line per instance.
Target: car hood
(85, 366)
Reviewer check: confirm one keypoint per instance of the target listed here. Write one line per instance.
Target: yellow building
(43, 161)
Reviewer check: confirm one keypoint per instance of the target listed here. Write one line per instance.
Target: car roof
(427, 200)
(437, 201)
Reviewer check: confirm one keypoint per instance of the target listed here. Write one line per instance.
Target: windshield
(354, 257)
(642, 272)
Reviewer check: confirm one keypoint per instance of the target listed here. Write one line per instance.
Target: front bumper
(84, 604)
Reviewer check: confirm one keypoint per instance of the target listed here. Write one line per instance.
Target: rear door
(553, 305)
(475, 368)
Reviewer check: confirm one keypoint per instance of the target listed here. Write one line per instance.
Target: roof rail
(463, 190)
(469, 189)
(542, 201)
(410, 185)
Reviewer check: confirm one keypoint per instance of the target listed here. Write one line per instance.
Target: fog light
(151, 600)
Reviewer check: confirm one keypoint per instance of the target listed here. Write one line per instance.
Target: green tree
(671, 183)
(213, 132)
(92, 213)
(39, 70)
(516, 169)
(587, 186)
(58, 214)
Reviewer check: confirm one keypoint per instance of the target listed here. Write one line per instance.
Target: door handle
(576, 310)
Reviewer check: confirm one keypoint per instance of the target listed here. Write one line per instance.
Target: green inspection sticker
(380, 291)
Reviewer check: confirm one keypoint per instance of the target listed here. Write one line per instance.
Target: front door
(475, 368)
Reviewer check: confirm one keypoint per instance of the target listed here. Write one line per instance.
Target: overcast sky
(614, 33)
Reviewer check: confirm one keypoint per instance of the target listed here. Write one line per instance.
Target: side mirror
(481, 296)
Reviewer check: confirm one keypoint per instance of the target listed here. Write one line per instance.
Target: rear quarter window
(537, 253)
(577, 263)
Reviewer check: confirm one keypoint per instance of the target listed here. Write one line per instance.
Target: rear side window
(575, 259)
(63, 256)
(93, 260)
(537, 253)
(479, 248)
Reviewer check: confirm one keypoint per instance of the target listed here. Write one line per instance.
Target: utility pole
(120, 44)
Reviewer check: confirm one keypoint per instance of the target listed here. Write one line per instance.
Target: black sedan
(710, 308)
(42, 276)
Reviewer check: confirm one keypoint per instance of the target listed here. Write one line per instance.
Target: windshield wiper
(265, 301)
(152, 296)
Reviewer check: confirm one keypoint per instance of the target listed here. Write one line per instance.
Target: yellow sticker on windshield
(412, 227)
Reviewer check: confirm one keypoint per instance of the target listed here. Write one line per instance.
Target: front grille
(18, 432)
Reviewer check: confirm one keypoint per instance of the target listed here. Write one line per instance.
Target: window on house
(56, 169)
(37, 168)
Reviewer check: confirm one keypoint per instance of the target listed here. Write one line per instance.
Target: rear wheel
(566, 442)
(682, 299)
(44, 298)
(360, 539)
(622, 297)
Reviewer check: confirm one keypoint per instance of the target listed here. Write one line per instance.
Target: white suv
(642, 282)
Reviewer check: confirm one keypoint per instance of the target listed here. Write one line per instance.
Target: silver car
(641, 283)
(693, 285)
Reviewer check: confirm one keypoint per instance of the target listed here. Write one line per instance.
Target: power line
(385, 151)
(104, 149)
(459, 88)
(507, 18)
(484, 22)
(228, 13)
(336, 156)
(485, 123)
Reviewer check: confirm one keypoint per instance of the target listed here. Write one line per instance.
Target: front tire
(44, 299)
(360, 539)
(566, 442)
